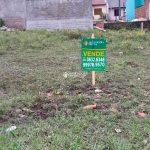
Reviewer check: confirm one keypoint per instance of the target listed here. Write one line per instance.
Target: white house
(116, 9)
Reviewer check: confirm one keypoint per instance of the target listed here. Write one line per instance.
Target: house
(143, 11)
(99, 9)
(137, 9)
(116, 9)
(130, 10)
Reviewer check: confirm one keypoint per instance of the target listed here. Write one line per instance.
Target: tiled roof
(98, 2)
(115, 3)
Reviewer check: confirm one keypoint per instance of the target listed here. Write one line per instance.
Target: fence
(127, 25)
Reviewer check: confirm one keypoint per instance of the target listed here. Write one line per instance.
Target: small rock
(9, 30)
(118, 130)
(48, 95)
(11, 128)
(27, 110)
(113, 110)
(18, 110)
(22, 116)
(145, 141)
(140, 47)
(3, 28)
(120, 53)
(60, 93)
(109, 95)
(90, 106)
(65, 74)
(98, 95)
(133, 112)
(98, 91)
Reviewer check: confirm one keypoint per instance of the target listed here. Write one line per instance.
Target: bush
(72, 34)
(102, 16)
(1, 22)
(127, 25)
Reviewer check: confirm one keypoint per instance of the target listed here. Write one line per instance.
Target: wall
(59, 14)
(130, 10)
(13, 13)
(47, 14)
(148, 13)
(104, 10)
(143, 11)
(100, 24)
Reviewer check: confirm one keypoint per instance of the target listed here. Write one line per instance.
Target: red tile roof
(98, 2)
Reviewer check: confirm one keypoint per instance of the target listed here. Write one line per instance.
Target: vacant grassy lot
(47, 108)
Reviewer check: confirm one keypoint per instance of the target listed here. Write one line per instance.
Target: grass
(32, 65)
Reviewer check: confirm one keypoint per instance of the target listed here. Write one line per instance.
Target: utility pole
(119, 11)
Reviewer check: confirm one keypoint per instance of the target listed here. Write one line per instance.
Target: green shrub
(102, 16)
(1, 22)
(126, 25)
(72, 34)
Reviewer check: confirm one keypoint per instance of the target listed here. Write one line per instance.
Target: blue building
(131, 5)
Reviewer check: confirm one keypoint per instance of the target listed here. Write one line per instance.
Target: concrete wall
(148, 13)
(59, 14)
(47, 14)
(13, 12)
(100, 24)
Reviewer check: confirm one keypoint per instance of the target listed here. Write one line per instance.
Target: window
(116, 12)
(97, 11)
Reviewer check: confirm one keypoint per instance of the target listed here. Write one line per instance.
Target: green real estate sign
(93, 54)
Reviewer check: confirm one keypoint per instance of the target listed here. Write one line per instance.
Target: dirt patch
(38, 110)
(44, 107)
(47, 108)
(3, 120)
(4, 94)
(132, 64)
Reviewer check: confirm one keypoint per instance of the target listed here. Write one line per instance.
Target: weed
(72, 34)
(47, 107)
(1, 22)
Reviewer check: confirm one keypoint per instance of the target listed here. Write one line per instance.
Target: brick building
(143, 11)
